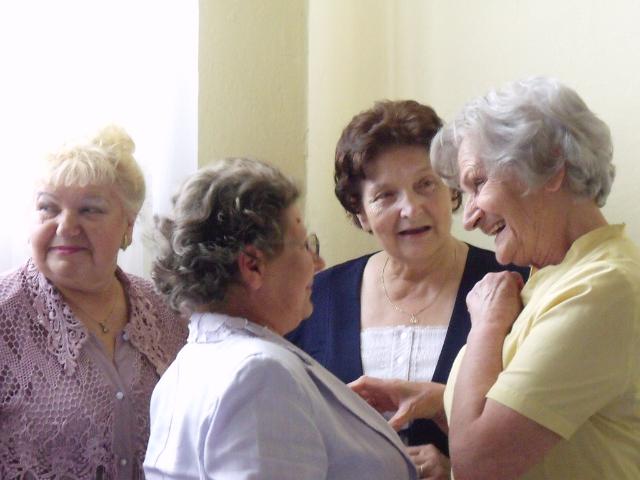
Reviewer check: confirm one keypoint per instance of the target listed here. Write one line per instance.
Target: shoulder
(142, 286)
(605, 282)
(598, 303)
(346, 271)
(258, 349)
(12, 287)
(143, 290)
(154, 328)
(20, 290)
(246, 359)
(15, 310)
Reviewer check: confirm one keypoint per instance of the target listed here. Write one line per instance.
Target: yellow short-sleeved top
(572, 359)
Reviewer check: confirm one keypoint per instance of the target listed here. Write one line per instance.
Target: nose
(318, 262)
(472, 214)
(409, 205)
(67, 224)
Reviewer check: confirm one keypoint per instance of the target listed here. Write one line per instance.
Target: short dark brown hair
(388, 124)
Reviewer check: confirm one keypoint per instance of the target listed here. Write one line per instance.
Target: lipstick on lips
(66, 249)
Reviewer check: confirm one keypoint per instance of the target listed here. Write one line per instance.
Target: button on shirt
(404, 352)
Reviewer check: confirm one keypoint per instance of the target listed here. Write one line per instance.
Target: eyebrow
(89, 198)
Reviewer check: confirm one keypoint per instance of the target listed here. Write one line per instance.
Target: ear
(364, 221)
(251, 266)
(129, 230)
(555, 182)
(456, 199)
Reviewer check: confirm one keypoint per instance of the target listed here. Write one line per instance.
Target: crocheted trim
(66, 334)
(143, 327)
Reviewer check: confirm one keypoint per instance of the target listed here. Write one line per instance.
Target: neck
(100, 294)
(583, 216)
(441, 262)
(240, 302)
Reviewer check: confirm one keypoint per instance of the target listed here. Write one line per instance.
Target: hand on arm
(487, 439)
(410, 400)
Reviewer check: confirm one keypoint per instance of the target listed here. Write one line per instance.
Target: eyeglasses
(312, 244)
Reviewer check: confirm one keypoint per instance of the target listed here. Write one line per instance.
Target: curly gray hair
(217, 212)
(533, 128)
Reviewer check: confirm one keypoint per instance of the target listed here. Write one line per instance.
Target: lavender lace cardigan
(66, 410)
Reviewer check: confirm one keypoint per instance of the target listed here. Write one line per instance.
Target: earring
(125, 242)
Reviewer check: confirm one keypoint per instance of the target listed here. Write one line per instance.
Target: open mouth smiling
(496, 229)
(414, 231)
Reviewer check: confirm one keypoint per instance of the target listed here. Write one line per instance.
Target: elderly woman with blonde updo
(82, 343)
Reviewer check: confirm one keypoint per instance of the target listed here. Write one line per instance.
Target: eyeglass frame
(312, 244)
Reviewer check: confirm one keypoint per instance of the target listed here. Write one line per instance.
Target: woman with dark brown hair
(398, 313)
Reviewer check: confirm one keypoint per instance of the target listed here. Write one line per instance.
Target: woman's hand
(430, 462)
(410, 400)
(494, 302)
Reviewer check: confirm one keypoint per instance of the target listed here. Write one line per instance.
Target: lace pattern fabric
(66, 410)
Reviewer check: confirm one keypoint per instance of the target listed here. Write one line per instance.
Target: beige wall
(444, 52)
(592, 46)
(272, 71)
(348, 69)
(253, 84)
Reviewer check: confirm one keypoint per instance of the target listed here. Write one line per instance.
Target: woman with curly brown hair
(399, 313)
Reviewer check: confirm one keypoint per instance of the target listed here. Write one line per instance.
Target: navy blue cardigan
(331, 334)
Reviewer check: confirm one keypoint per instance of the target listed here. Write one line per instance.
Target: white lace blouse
(405, 352)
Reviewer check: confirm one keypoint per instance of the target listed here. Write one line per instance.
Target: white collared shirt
(240, 402)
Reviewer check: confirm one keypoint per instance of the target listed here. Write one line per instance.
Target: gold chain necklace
(413, 317)
(104, 326)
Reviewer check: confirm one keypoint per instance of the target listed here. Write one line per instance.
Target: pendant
(412, 319)
(103, 327)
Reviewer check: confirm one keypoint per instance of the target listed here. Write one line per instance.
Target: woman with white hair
(82, 343)
(548, 385)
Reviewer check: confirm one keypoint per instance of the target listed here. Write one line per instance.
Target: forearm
(479, 370)
(440, 419)
(488, 439)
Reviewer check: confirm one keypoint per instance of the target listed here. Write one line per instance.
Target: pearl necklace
(413, 317)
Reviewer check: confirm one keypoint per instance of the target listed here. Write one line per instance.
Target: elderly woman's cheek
(39, 240)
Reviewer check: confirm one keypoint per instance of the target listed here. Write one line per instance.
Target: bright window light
(70, 67)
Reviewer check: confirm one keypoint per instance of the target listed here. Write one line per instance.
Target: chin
(307, 312)
(510, 260)
(503, 258)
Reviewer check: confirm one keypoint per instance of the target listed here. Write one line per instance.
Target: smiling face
(405, 204)
(77, 234)
(496, 205)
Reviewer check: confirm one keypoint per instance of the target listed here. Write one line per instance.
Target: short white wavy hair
(533, 128)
